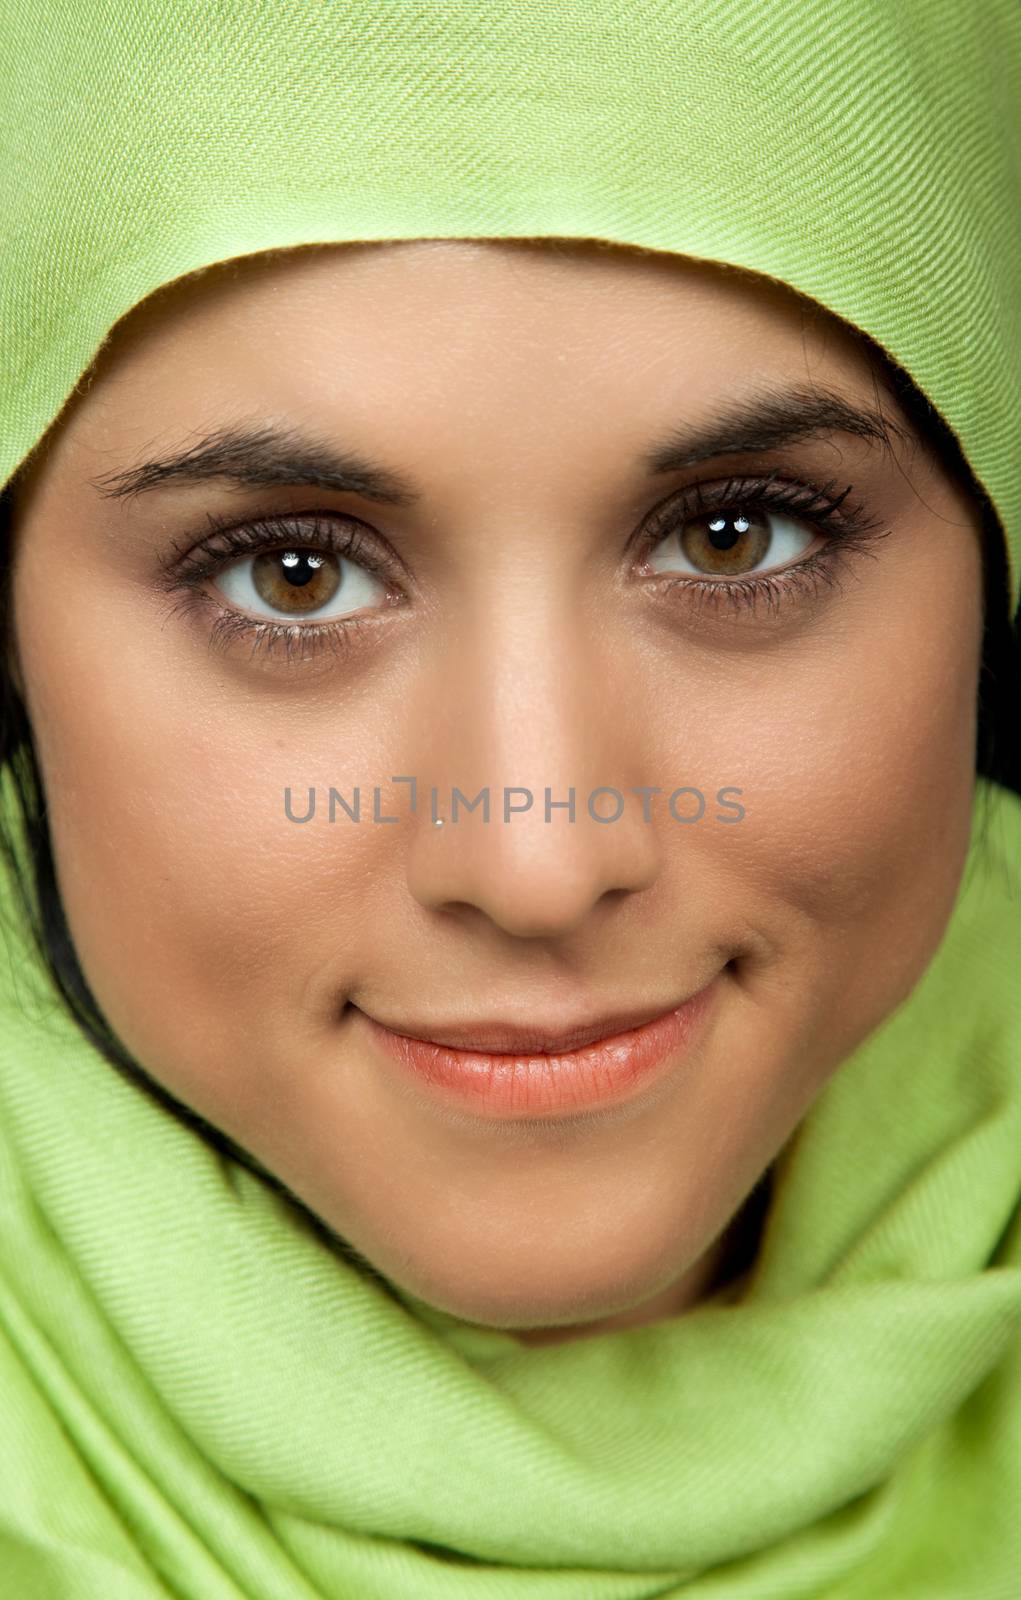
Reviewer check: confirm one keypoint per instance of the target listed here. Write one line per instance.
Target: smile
(581, 1068)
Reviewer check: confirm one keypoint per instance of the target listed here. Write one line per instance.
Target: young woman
(510, 1077)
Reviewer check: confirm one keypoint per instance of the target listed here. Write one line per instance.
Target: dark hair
(998, 742)
(998, 756)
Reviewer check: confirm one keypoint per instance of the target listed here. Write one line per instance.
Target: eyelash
(189, 569)
(848, 530)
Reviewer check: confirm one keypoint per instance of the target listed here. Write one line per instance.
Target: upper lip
(509, 1037)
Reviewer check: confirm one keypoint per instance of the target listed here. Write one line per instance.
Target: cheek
(857, 764)
(199, 912)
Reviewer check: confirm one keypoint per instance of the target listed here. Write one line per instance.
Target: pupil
(723, 538)
(300, 569)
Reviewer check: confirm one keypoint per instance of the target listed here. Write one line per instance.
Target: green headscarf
(864, 151)
(198, 1397)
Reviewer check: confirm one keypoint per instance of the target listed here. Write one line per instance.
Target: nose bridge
(519, 708)
(521, 690)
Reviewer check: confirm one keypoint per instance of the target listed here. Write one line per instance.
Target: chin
(542, 1299)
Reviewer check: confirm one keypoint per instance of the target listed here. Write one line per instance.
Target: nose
(526, 718)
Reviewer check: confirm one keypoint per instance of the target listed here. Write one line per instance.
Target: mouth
(531, 1038)
(498, 1070)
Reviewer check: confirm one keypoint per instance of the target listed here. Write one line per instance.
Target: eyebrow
(771, 419)
(268, 454)
(262, 455)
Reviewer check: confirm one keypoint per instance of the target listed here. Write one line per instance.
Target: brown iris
(721, 544)
(296, 580)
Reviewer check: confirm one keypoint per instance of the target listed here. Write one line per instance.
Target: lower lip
(602, 1073)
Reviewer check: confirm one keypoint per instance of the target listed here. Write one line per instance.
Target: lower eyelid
(809, 575)
(295, 640)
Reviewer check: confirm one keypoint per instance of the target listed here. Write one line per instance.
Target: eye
(730, 542)
(299, 581)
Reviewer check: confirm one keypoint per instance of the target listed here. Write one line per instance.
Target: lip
(596, 1068)
(532, 1038)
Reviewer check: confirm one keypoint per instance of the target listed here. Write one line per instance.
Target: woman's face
(538, 608)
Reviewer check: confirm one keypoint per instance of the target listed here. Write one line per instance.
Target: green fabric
(868, 152)
(200, 1399)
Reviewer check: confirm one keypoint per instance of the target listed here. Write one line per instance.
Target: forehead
(571, 294)
(508, 329)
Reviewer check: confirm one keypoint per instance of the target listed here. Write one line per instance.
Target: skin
(519, 386)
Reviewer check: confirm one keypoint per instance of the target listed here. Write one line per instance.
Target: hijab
(198, 1396)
